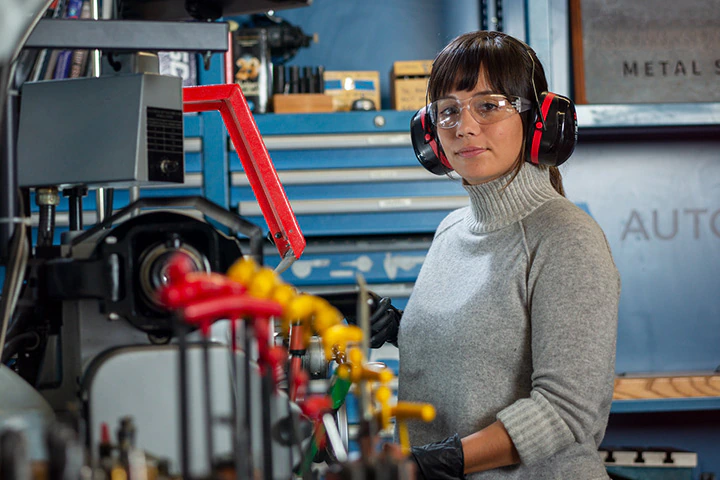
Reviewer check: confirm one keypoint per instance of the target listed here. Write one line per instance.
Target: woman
(511, 327)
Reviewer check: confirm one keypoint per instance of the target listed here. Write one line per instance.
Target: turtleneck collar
(493, 207)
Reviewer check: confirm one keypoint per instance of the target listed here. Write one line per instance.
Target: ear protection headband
(550, 139)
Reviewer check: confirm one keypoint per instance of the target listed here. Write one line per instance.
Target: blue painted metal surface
(371, 223)
(666, 405)
(341, 268)
(337, 122)
(659, 208)
(192, 125)
(381, 157)
(357, 35)
(358, 191)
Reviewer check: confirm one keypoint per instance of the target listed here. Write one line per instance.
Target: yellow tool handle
(408, 410)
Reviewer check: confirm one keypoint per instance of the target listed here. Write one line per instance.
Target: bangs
(506, 65)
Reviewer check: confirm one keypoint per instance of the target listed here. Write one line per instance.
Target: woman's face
(481, 153)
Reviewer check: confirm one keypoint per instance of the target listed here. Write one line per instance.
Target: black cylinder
(46, 226)
(294, 79)
(320, 78)
(75, 195)
(278, 79)
(309, 84)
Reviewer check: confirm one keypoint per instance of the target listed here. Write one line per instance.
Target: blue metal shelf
(648, 115)
(381, 157)
(336, 122)
(628, 115)
(665, 405)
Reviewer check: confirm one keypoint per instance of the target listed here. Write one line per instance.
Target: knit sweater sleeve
(573, 290)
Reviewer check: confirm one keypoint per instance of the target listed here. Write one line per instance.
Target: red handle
(251, 149)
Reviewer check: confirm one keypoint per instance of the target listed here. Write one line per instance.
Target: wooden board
(302, 103)
(683, 386)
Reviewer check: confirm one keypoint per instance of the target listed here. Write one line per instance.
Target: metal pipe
(207, 385)
(8, 164)
(100, 204)
(102, 195)
(240, 440)
(181, 332)
(247, 344)
(95, 72)
(266, 389)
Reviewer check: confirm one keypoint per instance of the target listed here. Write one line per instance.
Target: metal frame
(130, 35)
(243, 131)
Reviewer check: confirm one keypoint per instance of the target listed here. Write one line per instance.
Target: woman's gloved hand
(384, 318)
(384, 322)
(442, 460)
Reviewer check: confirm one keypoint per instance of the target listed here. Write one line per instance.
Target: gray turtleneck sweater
(514, 318)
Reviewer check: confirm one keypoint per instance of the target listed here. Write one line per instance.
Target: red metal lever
(231, 306)
(261, 173)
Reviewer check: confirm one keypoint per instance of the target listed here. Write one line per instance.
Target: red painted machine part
(245, 136)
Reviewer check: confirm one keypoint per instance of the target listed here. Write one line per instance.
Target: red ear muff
(552, 134)
(427, 148)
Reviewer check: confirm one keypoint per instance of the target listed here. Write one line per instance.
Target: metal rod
(100, 204)
(46, 228)
(75, 205)
(266, 391)
(207, 385)
(134, 192)
(239, 435)
(134, 195)
(75, 195)
(95, 72)
(102, 208)
(333, 436)
(247, 341)
(184, 401)
(8, 163)
(367, 430)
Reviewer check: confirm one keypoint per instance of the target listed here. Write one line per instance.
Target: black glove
(384, 318)
(384, 323)
(441, 460)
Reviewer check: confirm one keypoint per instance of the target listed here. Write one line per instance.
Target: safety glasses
(485, 108)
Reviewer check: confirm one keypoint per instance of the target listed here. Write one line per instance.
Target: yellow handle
(404, 437)
(408, 410)
(242, 271)
(262, 283)
(340, 335)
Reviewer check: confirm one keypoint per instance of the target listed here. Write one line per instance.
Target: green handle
(338, 391)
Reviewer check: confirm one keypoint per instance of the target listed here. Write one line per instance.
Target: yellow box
(408, 82)
(347, 86)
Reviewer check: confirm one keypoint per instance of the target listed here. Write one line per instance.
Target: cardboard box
(408, 84)
(347, 86)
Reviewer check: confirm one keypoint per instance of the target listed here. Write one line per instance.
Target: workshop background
(648, 173)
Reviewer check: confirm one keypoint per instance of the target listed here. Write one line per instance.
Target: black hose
(12, 346)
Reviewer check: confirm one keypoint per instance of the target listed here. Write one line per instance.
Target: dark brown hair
(510, 67)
